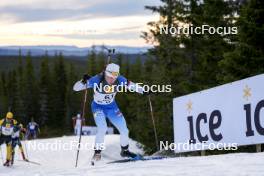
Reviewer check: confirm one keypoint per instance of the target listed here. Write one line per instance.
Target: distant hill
(9, 62)
(66, 50)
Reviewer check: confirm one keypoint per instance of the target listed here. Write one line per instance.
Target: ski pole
(153, 121)
(26, 152)
(109, 54)
(80, 135)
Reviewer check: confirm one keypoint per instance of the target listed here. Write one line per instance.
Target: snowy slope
(62, 162)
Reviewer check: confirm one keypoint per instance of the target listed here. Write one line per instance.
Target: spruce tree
(45, 91)
(247, 58)
(59, 93)
(31, 94)
(20, 109)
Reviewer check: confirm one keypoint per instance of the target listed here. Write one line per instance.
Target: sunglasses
(114, 74)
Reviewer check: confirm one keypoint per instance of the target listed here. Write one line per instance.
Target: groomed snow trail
(56, 162)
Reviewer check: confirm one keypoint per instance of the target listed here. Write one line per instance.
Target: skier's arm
(131, 86)
(38, 129)
(1, 122)
(15, 122)
(135, 87)
(86, 83)
(23, 130)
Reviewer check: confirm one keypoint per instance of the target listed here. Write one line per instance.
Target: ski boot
(126, 153)
(96, 156)
(7, 163)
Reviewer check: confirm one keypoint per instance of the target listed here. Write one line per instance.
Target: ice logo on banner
(231, 113)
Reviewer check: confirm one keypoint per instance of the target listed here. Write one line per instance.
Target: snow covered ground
(62, 162)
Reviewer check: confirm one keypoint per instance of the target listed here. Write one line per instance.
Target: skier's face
(110, 80)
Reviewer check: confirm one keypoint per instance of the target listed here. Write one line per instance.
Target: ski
(138, 158)
(32, 162)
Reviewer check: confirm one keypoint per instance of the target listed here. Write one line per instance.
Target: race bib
(104, 99)
(7, 131)
(32, 127)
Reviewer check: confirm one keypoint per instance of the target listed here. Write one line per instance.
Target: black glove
(85, 78)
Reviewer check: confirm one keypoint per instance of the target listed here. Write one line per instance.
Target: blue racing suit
(104, 106)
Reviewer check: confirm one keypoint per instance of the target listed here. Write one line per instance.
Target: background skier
(16, 141)
(32, 130)
(7, 129)
(77, 123)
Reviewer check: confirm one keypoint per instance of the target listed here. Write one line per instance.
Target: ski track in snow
(62, 163)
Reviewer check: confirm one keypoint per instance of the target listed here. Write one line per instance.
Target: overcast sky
(74, 22)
